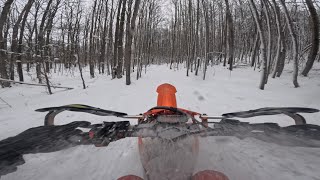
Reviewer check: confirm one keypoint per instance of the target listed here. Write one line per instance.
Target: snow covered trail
(222, 92)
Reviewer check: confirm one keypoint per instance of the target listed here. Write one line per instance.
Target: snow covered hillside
(220, 93)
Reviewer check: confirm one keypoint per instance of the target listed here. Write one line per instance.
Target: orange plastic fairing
(209, 175)
(166, 95)
(130, 177)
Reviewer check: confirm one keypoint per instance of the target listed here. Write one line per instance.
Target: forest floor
(222, 91)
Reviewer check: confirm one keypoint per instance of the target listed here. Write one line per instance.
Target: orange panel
(130, 177)
(167, 95)
(209, 175)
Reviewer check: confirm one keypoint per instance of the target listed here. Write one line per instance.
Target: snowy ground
(222, 92)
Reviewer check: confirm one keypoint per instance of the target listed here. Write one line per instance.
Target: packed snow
(222, 91)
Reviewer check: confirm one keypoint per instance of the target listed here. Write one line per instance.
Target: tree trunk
(266, 12)
(91, 48)
(282, 56)
(262, 45)
(294, 44)
(110, 41)
(174, 34)
(19, 67)
(40, 43)
(206, 18)
(130, 31)
(48, 30)
(14, 41)
(254, 50)
(230, 35)
(190, 34)
(3, 42)
(116, 42)
(197, 43)
(104, 40)
(120, 44)
(314, 24)
(278, 51)
(197, 66)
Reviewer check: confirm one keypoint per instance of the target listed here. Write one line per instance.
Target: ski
(289, 111)
(53, 111)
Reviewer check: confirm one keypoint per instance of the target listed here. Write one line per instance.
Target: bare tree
(267, 15)
(205, 9)
(230, 35)
(175, 3)
(14, 41)
(120, 43)
(131, 23)
(3, 42)
(280, 45)
(20, 46)
(264, 73)
(104, 39)
(294, 44)
(116, 42)
(314, 24)
(91, 46)
(110, 39)
(40, 43)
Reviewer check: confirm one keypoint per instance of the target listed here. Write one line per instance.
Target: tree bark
(230, 35)
(40, 42)
(279, 44)
(254, 50)
(130, 29)
(266, 12)
(206, 19)
(262, 45)
(116, 42)
(110, 40)
(190, 42)
(197, 43)
(173, 50)
(48, 29)
(14, 41)
(104, 40)
(3, 42)
(314, 25)
(19, 67)
(120, 44)
(91, 48)
(294, 44)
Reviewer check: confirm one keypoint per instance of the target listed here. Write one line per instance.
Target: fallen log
(33, 84)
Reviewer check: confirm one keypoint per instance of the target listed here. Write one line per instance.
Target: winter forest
(122, 37)
(159, 89)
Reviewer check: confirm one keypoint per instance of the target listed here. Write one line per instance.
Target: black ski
(289, 111)
(53, 111)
